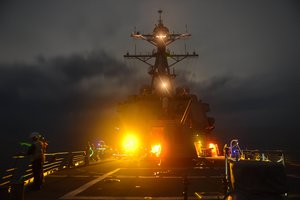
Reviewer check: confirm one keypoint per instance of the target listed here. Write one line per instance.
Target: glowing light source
(198, 145)
(130, 143)
(214, 149)
(156, 149)
(161, 36)
(164, 85)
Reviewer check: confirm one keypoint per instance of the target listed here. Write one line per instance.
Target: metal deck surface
(132, 179)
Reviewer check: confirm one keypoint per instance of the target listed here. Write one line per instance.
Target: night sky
(62, 70)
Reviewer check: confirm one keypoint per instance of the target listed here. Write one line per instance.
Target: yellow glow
(161, 36)
(211, 146)
(156, 149)
(164, 85)
(229, 197)
(130, 143)
(214, 149)
(198, 146)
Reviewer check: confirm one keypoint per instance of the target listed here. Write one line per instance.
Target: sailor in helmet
(36, 153)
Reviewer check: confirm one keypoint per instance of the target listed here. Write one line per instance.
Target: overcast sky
(62, 69)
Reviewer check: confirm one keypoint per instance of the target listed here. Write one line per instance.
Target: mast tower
(160, 71)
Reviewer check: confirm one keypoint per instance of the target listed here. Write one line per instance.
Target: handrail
(265, 157)
(21, 169)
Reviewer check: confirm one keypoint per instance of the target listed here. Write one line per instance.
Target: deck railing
(20, 169)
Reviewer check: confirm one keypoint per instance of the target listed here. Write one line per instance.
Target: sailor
(44, 143)
(37, 156)
(226, 151)
(87, 153)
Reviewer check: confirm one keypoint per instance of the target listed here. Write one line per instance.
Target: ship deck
(134, 179)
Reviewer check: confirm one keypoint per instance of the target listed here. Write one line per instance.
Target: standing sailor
(36, 152)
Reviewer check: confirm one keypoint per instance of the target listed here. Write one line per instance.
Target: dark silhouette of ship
(170, 119)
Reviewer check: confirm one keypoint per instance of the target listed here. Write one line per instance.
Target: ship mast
(161, 75)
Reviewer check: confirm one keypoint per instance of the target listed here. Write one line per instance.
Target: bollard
(17, 191)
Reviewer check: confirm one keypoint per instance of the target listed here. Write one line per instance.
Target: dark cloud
(260, 110)
(50, 79)
(66, 98)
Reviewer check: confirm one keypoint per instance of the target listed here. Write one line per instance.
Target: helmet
(34, 135)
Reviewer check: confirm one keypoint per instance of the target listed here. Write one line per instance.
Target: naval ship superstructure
(171, 122)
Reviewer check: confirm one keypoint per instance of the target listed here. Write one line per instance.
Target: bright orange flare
(156, 150)
(214, 149)
(130, 143)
